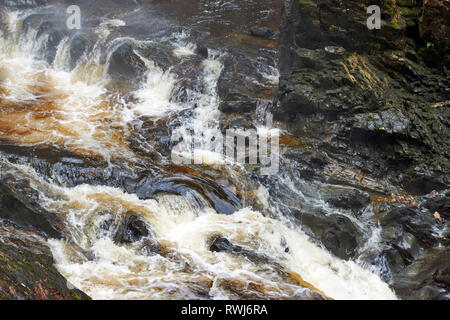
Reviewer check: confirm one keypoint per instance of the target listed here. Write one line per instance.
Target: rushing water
(82, 111)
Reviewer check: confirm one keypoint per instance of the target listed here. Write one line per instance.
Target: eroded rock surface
(368, 110)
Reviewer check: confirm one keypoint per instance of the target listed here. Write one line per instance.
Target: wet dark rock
(262, 32)
(149, 248)
(219, 198)
(50, 162)
(131, 229)
(409, 220)
(125, 65)
(366, 97)
(220, 244)
(52, 39)
(410, 238)
(240, 84)
(354, 200)
(32, 21)
(202, 51)
(25, 4)
(160, 54)
(427, 278)
(336, 232)
(79, 47)
(18, 205)
(333, 51)
(27, 269)
(439, 204)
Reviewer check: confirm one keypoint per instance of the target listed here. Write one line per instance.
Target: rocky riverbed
(90, 198)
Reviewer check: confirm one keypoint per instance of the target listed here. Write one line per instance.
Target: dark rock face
(27, 271)
(429, 282)
(51, 39)
(236, 97)
(79, 47)
(440, 205)
(241, 84)
(337, 233)
(374, 105)
(354, 200)
(262, 32)
(369, 98)
(131, 229)
(26, 263)
(18, 206)
(126, 65)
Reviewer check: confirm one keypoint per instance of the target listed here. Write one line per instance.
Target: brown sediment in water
(48, 119)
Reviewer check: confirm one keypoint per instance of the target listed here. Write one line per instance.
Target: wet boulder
(131, 229)
(126, 66)
(18, 205)
(336, 232)
(240, 85)
(440, 204)
(223, 200)
(411, 239)
(79, 47)
(261, 32)
(149, 247)
(404, 221)
(49, 38)
(221, 244)
(427, 278)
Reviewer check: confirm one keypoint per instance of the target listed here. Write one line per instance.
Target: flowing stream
(77, 108)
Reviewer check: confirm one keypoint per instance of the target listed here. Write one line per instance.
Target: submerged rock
(202, 51)
(224, 201)
(336, 232)
(131, 229)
